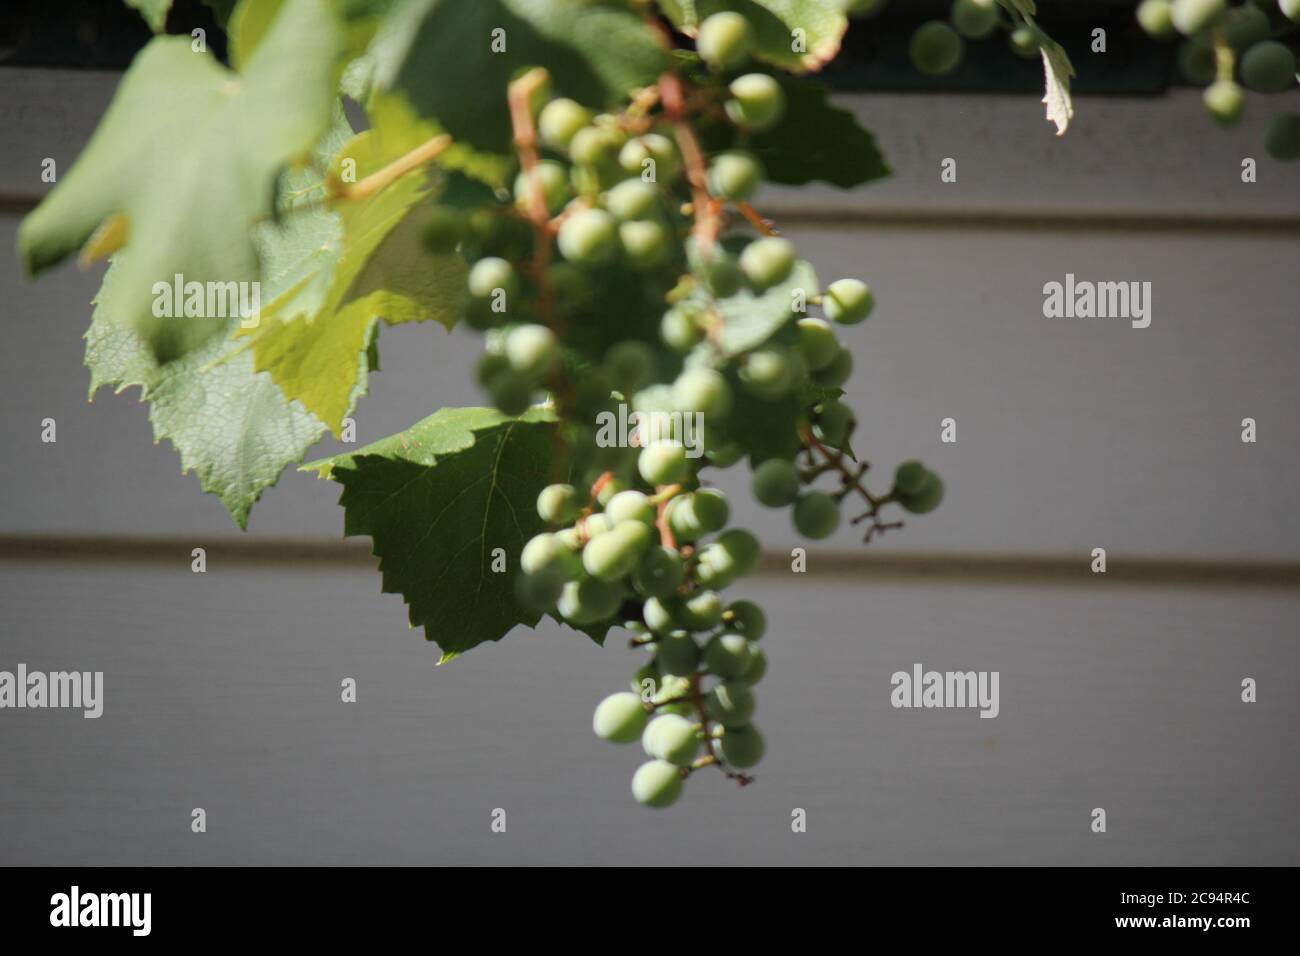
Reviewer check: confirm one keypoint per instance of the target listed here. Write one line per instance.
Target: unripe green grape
(538, 592)
(489, 274)
(1290, 9)
(651, 146)
(490, 365)
(818, 343)
(910, 478)
(609, 489)
(1268, 67)
(757, 101)
(547, 554)
(1023, 42)
(631, 364)
(767, 261)
(723, 454)
(730, 703)
(727, 655)
(659, 573)
(767, 372)
(645, 242)
(510, 393)
(848, 301)
(620, 718)
(704, 390)
(588, 236)
(531, 350)
(834, 423)
(659, 613)
(630, 505)
(554, 180)
(671, 737)
(1224, 101)
(1196, 61)
(700, 611)
(663, 463)
(678, 655)
(743, 548)
(1282, 139)
(679, 331)
(558, 504)
(757, 666)
(746, 618)
(1245, 25)
(593, 526)
(444, 228)
(631, 199)
(560, 121)
(588, 601)
(571, 539)
(1193, 16)
(611, 557)
(694, 515)
(837, 372)
(816, 515)
(1156, 17)
(715, 567)
(724, 40)
(974, 19)
(925, 500)
(593, 146)
(734, 175)
(775, 483)
(657, 783)
(935, 48)
(741, 747)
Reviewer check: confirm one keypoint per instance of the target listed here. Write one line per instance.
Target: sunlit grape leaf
(797, 35)
(189, 152)
(749, 318)
(153, 11)
(437, 500)
(231, 426)
(453, 60)
(1057, 72)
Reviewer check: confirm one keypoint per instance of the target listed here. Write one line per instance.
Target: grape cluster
(1226, 48)
(605, 284)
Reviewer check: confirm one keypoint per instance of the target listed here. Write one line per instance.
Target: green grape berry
(594, 146)
(834, 423)
(651, 152)
(511, 393)
(678, 654)
(730, 703)
(489, 274)
(1282, 138)
(547, 554)
(837, 372)
(775, 483)
(767, 261)
(700, 611)
(724, 40)
(767, 373)
(727, 655)
(659, 573)
(588, 237)
(554, 181)
(1224, 101)
(663, 463)
(1196, 61)
(630, 505)
(588, 601)
(757, 101)
(704, 390)
(816, 515)
(818, 343)
(1023, 42)
(679, 330)
(631, 199)
(612, 557)
(1156, 17)
(741, 747)
(672, 738)
(936, 48)
(694, 515)
(538, 592)
(723, 454)
(746, 618)
(925, 500)
(560, 120)
(645, 242)
(734, 175)
(531, 350)
(558, 504)
(1268, 67)
(847, 301)
(659, 613)
(620, 718)
(910, 478)
(1245, 25)
(974, 19)
(1193, 16)
(742, 547)
(757, 666)
(657, 783)
(1290, 9)
(631, 364)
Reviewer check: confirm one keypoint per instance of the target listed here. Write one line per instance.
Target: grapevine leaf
(748, 318)
(437, 500)
(453, 60)
(153, 11)
(801, 36)
(1057, 71)
(184, 142)
(231, 425)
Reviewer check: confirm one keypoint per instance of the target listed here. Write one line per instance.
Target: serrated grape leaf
(437, 500)
(153, 11)
(1057, 71)
(453, 60)
(801, 36)
(231, 425)
(189, 152)
(815, 140)
(750, 318)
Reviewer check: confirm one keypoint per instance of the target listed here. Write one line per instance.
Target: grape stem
(713, 757)
(426, 152)
(706, 209)
(850, 482)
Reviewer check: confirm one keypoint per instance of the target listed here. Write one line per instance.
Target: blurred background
(1120, 691)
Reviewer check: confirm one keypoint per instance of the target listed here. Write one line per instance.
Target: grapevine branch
(823, 459)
